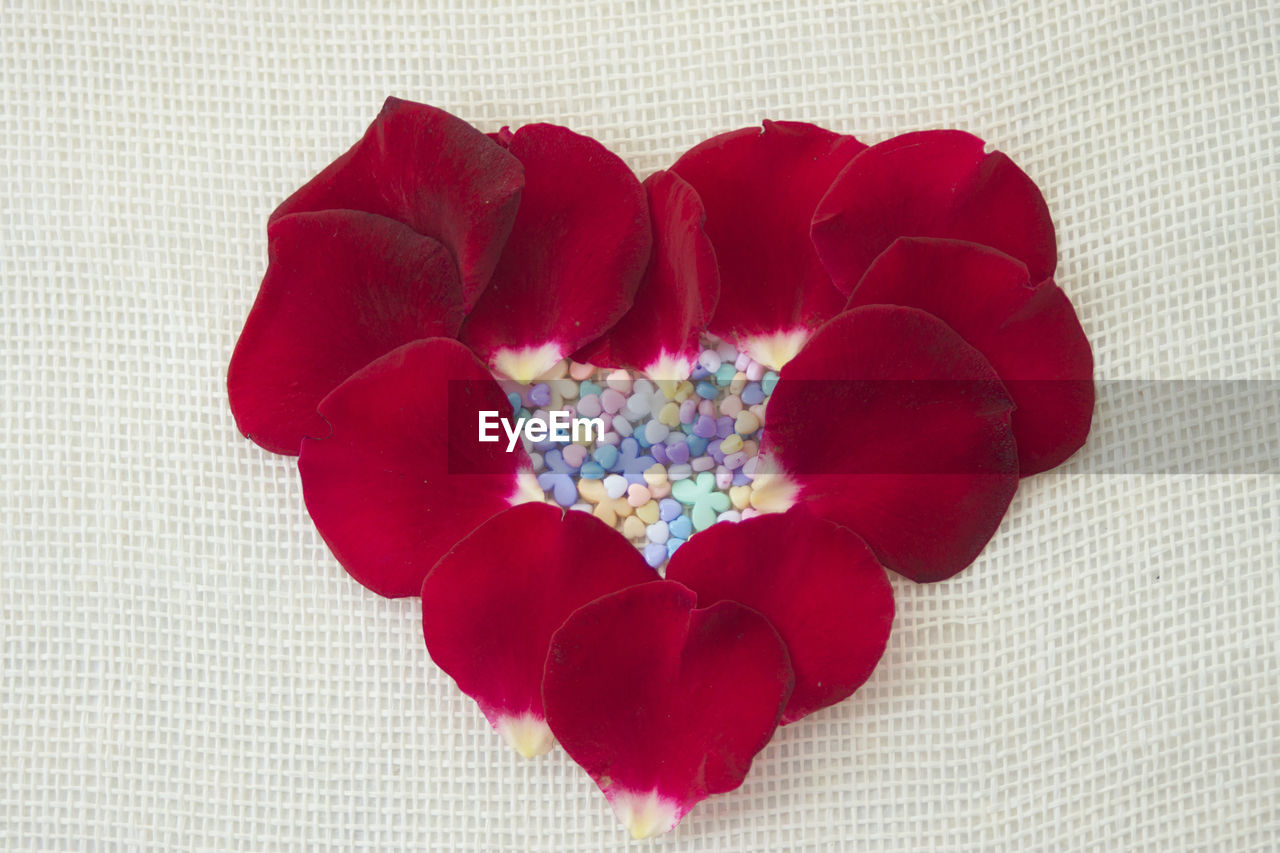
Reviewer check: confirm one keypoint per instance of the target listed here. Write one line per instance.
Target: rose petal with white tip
(816, 582)
(401, 475)
(760, 186)
(573, 261)
(890, 424)
(663, 703)
(491, 604)
(661, 335)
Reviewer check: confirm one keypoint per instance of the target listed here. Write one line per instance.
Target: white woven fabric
(186, 667)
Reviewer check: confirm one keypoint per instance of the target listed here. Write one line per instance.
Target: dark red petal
(816, 582)
(760, 187)
(1029, 332)
(890, 424)
(663, 704)
(491, 604)
(342, 288)
(574, 258)
(432, 171)
(934, 183)
(402, 475)
(661, 334)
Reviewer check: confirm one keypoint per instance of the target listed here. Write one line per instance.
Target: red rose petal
(342, 288)
(491, 604)
(574, 258)
(816, 582)
(402, 475)
(891, 425)
(760, 187)
(1029, 332)
(663, 704)
(432, 171)
(934, 183)
(661, 334)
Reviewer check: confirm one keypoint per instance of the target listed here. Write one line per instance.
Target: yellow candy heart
(567, 389)
(607, 509)
(633, 528)
(592, 490)
(667, 387)
(648, 513)
(746, 423)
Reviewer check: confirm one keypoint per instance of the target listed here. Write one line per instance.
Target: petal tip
(669, 368)
(527, 490)
(772, 490)
(645, 814)
(526, 364)
(527, 734)
(776, 349)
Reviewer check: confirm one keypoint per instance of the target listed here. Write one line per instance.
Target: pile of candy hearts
(811, 360)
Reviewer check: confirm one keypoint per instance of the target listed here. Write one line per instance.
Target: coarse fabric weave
(185, 666)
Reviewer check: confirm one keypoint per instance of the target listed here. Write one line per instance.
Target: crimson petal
(933, 183)
(402, 475)
(433, 172)
(760, 187)
(488, 617)
(342, 288)
(574, 258)
(661, 334)
(1029, 332)
(661, 703)
(891, 425)
(816, 582)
